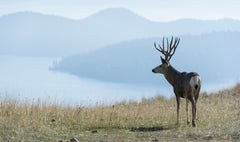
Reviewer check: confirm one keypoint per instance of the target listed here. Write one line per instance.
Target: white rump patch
(195, 80)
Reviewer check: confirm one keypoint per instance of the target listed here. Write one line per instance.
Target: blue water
(30, 78)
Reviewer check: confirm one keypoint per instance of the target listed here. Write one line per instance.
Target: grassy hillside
(151, 120)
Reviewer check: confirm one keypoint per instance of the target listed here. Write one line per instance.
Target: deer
(185, 85)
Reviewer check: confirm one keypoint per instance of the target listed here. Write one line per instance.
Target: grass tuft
(150, 120)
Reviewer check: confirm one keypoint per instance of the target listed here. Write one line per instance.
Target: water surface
(30, 78)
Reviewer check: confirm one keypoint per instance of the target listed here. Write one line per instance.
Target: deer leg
(196, 99)
(193, 110)
(187, 111)
(196, 111)
(178, 108)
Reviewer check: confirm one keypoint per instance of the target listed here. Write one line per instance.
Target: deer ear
(164, 61)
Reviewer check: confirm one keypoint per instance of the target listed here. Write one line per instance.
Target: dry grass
(151, 120)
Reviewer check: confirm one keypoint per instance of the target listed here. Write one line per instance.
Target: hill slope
(34, 34)
(152, 119)
(214, 56)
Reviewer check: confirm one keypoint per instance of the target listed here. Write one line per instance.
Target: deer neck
(171, 75)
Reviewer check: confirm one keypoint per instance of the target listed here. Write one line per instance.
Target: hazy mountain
(35, 34)
(214, 56)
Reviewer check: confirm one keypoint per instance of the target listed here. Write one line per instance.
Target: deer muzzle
(153, 71)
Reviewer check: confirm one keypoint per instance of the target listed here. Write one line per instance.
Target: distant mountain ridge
(110, 15)
(34, 34)
(214, 56)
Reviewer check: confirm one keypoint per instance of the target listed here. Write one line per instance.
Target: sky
(155, 10)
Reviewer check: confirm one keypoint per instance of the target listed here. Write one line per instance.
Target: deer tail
(195, 82)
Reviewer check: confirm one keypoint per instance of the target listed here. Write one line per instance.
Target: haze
(156, 10)
(107, 54)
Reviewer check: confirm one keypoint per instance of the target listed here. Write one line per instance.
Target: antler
(170, 48)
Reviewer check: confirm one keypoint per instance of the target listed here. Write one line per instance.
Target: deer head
(168, 53)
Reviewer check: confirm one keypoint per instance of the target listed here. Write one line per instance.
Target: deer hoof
(177, 124)
(193, 124)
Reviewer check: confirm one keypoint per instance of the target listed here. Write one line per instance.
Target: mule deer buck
(185, 85)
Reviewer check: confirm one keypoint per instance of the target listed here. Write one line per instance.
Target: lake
(30, 78)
